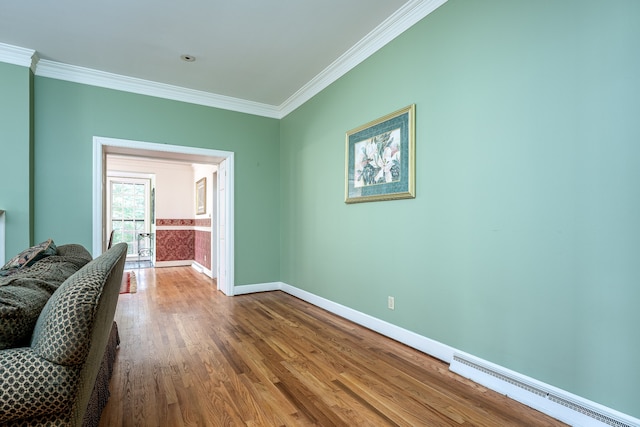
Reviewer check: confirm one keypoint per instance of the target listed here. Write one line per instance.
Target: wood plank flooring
(190, 356)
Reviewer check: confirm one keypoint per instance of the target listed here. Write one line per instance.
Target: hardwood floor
(191, 356)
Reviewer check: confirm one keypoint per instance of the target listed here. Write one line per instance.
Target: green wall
(521, 246)
(15, 163)
(69, 115)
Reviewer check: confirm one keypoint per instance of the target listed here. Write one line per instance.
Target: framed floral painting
(380, 159)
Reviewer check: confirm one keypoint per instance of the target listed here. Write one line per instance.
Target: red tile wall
(203, 248)
(184, 244)
(175, 245)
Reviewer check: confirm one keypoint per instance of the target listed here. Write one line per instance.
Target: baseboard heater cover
(559, 404)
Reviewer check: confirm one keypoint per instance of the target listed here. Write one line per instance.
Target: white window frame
(134, 178)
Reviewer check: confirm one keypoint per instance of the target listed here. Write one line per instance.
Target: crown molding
(72, 73)
(404, 18)
(18, 56)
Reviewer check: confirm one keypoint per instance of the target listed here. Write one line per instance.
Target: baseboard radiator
(559, 404)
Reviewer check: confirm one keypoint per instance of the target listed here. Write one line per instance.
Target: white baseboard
(185, 263)
(545, 398)
(419, 342)
(177, 263)
(201, 269)
(262, 287)
(555, 402)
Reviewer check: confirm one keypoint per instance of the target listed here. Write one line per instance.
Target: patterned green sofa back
(63, 332)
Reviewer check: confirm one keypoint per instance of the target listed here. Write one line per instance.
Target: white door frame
(100, 147)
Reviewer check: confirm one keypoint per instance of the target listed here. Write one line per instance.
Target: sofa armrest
(32, 386)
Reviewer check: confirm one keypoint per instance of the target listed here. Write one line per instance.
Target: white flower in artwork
(378, 159)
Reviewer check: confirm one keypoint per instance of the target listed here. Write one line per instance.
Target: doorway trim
(103, 146)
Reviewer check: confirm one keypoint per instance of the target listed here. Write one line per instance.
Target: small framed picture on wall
(201, 196)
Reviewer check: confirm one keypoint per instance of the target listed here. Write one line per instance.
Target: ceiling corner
(18, 55)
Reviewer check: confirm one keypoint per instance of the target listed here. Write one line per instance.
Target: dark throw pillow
(29, 257)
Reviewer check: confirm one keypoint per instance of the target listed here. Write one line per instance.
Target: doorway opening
(224, 244)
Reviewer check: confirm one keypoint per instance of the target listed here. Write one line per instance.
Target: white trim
(424, 344)
(403, 19)
(202, 269)
(228, 287)
(124, 174)
(174, 263)
(260, 287)
(175, 227)
(88, 76)
(557, 403)
(18, 56)
(99, 146)
(453, 357)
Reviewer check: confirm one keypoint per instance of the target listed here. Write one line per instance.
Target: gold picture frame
(201, 196)
(380, 159)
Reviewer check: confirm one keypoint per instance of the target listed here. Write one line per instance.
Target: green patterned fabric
(65, 322)
(33, 386)
(29, 257)
(100, 393)
(50, 382)
(24, 293)
(75, 254)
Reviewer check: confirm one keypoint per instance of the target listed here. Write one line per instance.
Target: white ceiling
(262, 51)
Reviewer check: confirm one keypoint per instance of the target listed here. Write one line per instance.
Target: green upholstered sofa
(60, 376)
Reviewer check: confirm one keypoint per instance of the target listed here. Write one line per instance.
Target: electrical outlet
(391, 303)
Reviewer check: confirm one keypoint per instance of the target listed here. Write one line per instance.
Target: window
(129, 210)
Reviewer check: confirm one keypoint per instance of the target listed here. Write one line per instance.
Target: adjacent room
(153, 206)
(403, 212)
